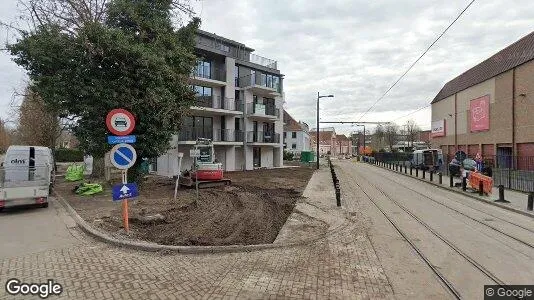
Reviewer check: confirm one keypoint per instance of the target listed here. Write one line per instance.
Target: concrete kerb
(466, 194)
(153, 247)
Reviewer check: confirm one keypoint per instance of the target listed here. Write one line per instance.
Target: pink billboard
(479, 109)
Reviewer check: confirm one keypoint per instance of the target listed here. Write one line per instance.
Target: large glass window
(203, 69)
(203, 91)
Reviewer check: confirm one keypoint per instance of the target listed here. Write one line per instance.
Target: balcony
(228, 136)
(217, 105)
(263, 112)
(189, 135)
(206, 76)
(260, 84)
(263, 137)
(238, 53)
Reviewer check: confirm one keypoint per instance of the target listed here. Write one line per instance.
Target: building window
(285, 133)
(203, 69)
(236, 75)
(294, 146)
(294, 134)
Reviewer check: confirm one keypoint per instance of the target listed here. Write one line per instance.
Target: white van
(19, 159)
(26, 176)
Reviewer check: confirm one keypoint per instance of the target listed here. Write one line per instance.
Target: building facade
(239, 99)
(327, 141)
(489, 108)
(296, 135)
(343, 145)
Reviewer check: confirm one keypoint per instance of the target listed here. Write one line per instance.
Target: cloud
(357, 49)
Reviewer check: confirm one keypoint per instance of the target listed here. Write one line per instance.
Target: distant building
(327, 141)
(296, 135)
(343, 145)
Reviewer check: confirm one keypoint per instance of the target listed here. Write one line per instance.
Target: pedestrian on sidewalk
(478, 160)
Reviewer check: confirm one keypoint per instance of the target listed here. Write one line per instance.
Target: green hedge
(68, 155)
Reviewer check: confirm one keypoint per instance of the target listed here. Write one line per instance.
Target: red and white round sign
(120, 122)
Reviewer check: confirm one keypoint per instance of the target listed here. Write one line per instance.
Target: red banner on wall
(480, 114)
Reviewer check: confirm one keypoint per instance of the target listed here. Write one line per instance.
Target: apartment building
(296, 135)
(239, 99)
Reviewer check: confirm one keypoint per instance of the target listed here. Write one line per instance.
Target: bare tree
(37, 124)
(71, 15)
(378, 137)
(391, 132)
(412, 131)
(5, 136)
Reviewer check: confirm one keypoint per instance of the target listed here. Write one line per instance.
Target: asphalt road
(469, 243)
(28, 230)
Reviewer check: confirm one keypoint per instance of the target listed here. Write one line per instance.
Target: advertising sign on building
(479, 114)
(438, 128)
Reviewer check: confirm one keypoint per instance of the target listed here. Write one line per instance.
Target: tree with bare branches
(38, 126)
(5, 136)
(412, 131)
(391, 132)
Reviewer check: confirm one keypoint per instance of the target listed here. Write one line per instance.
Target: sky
(354, 49)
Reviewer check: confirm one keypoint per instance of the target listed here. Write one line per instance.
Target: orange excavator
(205, 171)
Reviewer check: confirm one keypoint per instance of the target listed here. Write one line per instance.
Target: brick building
(489, 107)
(327, 141)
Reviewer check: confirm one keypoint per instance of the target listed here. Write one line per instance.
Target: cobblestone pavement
(341, 266)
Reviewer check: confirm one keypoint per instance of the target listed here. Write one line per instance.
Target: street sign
(127, 139)
(124, 191)
(194, 152)
(123, 156)
(120, 122)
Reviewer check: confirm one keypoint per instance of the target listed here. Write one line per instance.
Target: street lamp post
(363, 136)
(317, 129)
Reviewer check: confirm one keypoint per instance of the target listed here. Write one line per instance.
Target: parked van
(26, 176)
(428, 159)
(20, 159)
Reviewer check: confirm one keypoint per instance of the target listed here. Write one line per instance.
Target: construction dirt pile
(250, 211)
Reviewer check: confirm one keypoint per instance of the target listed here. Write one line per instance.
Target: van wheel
(44, 205)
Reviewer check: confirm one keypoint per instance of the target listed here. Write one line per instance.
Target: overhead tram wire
(417, 60)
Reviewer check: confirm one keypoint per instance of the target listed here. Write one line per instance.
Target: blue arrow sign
(123, 156)
(124, 191)
(128, 139)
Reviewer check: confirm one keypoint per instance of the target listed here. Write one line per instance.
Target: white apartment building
(296, 136)
(238, 106)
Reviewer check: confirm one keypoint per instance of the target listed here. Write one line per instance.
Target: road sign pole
(125, 203)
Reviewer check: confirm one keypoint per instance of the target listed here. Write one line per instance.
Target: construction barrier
(474, 181)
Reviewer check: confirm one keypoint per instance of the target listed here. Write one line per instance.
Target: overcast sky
(354, 49)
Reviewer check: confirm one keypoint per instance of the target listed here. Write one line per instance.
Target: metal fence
(513, 172)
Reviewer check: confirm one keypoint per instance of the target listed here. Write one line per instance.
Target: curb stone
(153, 247)
(464, 193)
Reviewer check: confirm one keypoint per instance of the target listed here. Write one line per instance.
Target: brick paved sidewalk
(343, 265)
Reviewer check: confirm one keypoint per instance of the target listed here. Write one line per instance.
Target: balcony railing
(209, 73)
(238, 53)
(263, 109)
(192, 134)
(220, 135)
(219, 103)
(228, 135)
(259, 79)
(263, 137)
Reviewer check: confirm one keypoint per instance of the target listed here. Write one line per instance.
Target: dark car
(121, 122)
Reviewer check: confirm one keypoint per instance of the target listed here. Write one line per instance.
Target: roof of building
(508, 58)
(291, 124)
(229, 41)
(324, 136)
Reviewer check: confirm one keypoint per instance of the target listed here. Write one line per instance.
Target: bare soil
(250, 211)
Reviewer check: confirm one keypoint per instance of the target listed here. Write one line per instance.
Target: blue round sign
(123, 156)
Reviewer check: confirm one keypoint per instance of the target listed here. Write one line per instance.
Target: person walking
(478, 160)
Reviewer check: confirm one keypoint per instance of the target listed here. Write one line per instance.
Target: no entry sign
(120, 122)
